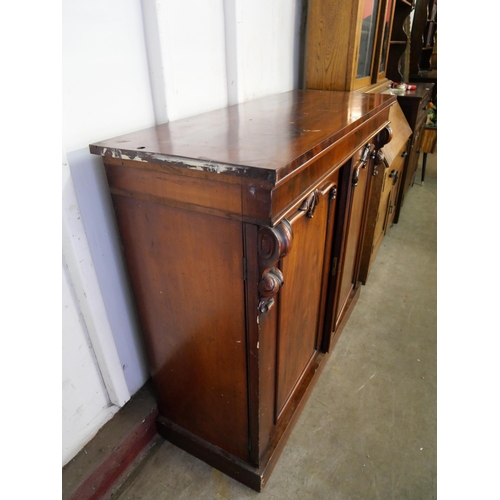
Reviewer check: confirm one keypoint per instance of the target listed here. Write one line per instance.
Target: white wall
(86, 403)
(106, 92)
(265, 37)
(127, 65)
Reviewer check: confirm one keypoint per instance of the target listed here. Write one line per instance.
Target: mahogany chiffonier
(242, 230)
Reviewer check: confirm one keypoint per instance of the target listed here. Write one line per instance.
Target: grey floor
(368, 430)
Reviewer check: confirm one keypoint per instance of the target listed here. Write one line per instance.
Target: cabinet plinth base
(210, 454)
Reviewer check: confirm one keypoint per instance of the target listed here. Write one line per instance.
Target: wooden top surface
(265, 138)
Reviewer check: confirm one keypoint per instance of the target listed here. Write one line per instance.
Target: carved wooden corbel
(272, 245)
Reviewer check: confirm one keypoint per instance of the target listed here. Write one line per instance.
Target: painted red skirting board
(101, 481)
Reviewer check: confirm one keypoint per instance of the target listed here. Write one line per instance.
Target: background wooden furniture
(242, 231)
(385, 190)
(398, 65)
(423, 34)
(348, 49)
(348, 44)
(414, 104)
(428, 145)
(423, 52)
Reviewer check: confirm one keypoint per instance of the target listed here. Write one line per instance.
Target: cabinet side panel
(186, 270)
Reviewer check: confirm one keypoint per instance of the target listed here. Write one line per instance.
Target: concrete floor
(368, 430)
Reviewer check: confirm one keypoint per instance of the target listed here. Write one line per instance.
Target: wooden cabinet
(414, 104)
(388, 173)
(347, 43)
(242, 230)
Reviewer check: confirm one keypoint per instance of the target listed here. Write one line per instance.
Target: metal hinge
(334, 266)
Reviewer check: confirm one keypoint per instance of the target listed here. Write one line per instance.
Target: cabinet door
(354, 185)
(301, 299)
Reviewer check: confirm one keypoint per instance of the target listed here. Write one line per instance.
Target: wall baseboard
(98, 469)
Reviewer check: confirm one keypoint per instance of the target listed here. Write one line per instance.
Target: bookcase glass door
(367, 40)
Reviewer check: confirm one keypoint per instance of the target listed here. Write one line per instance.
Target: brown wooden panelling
(189, 290)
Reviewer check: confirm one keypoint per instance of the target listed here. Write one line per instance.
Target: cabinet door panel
(303, 271)
(353, 234)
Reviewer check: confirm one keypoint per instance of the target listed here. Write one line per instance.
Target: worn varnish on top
(266, 139)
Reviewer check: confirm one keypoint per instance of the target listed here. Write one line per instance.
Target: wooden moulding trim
(169, 169)
(101, 481)
(195, 164)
